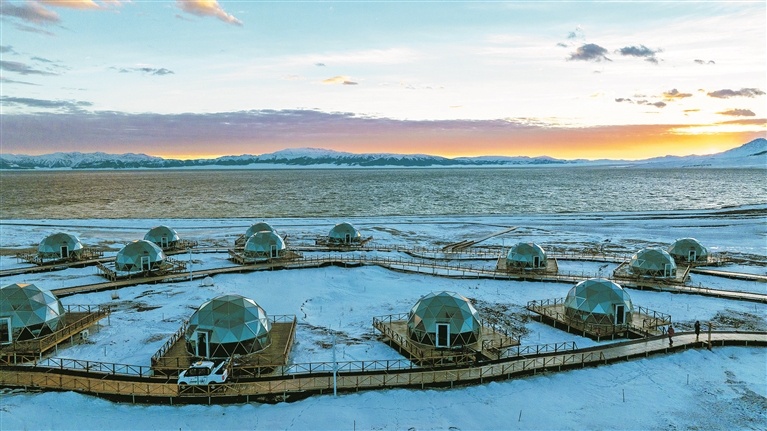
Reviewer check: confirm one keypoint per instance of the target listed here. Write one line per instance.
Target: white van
(204, 373)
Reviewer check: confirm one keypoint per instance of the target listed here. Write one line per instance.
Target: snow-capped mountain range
(750, 155)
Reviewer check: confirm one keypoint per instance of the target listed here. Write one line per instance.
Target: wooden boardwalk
(163, 390)
(464, 244)
(414, 266)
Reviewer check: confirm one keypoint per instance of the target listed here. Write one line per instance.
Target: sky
(206, 78)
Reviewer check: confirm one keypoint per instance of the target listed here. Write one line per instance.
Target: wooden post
(709, 335)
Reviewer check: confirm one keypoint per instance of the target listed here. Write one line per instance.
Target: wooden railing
(37, 346)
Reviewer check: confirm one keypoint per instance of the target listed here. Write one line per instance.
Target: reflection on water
(369, 192)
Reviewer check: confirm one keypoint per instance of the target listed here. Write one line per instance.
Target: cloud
(340, 79)
(206, 8)
(575, 34)
(31, 29)
(623, 100)
(71, 4)
(29, 11)
(23, 69)
(743, 92)
(6, 49)
(370, 56)
(738, 113)
(640, 51)
(67, 105)
(590, 52)
(655, 104)
(675, 94)
(147, 70)
(319, 64)
(699, 61)
(11, 81)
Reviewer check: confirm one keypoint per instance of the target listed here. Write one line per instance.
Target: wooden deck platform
(174, 357)
(490, 345)
(644, 322)
(73, 323)
(169, 266)
(623, 272)
(85, 254)
(552, 268)
(237, 256)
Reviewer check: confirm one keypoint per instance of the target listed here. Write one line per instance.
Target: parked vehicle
(205, 373)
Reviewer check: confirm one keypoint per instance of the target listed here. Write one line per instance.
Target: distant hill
(750, 155)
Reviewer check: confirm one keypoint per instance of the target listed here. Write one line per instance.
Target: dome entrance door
(6, 331)
(620, 314)
(443, 335)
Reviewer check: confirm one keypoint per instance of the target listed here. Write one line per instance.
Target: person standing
(697, 329)
(670, 335)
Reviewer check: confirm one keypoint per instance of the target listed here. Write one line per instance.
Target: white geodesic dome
(688, 250)
(598, 300)
(163, 236)
(27, 311)
(59, 245)
(344, 233)
(653, 262)
(444, 319)
(526, 255)
(227, 325)
(140, 255)
(264, 244)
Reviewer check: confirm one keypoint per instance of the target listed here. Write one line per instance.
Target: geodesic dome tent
(653, 262)
(228, 325)
(27, 312)
(526, 255)
(444, 319)
(598, 301)
(139, 255)
(266, 244)
(688, 250)
(258, 227)
(163, 236)
(344, 233)
(59, 246)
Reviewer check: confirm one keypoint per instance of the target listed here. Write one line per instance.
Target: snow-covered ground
(697, 389)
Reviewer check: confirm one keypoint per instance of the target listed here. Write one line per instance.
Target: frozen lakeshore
(677, 390)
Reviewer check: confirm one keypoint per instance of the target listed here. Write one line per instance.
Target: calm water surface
(369, 192)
